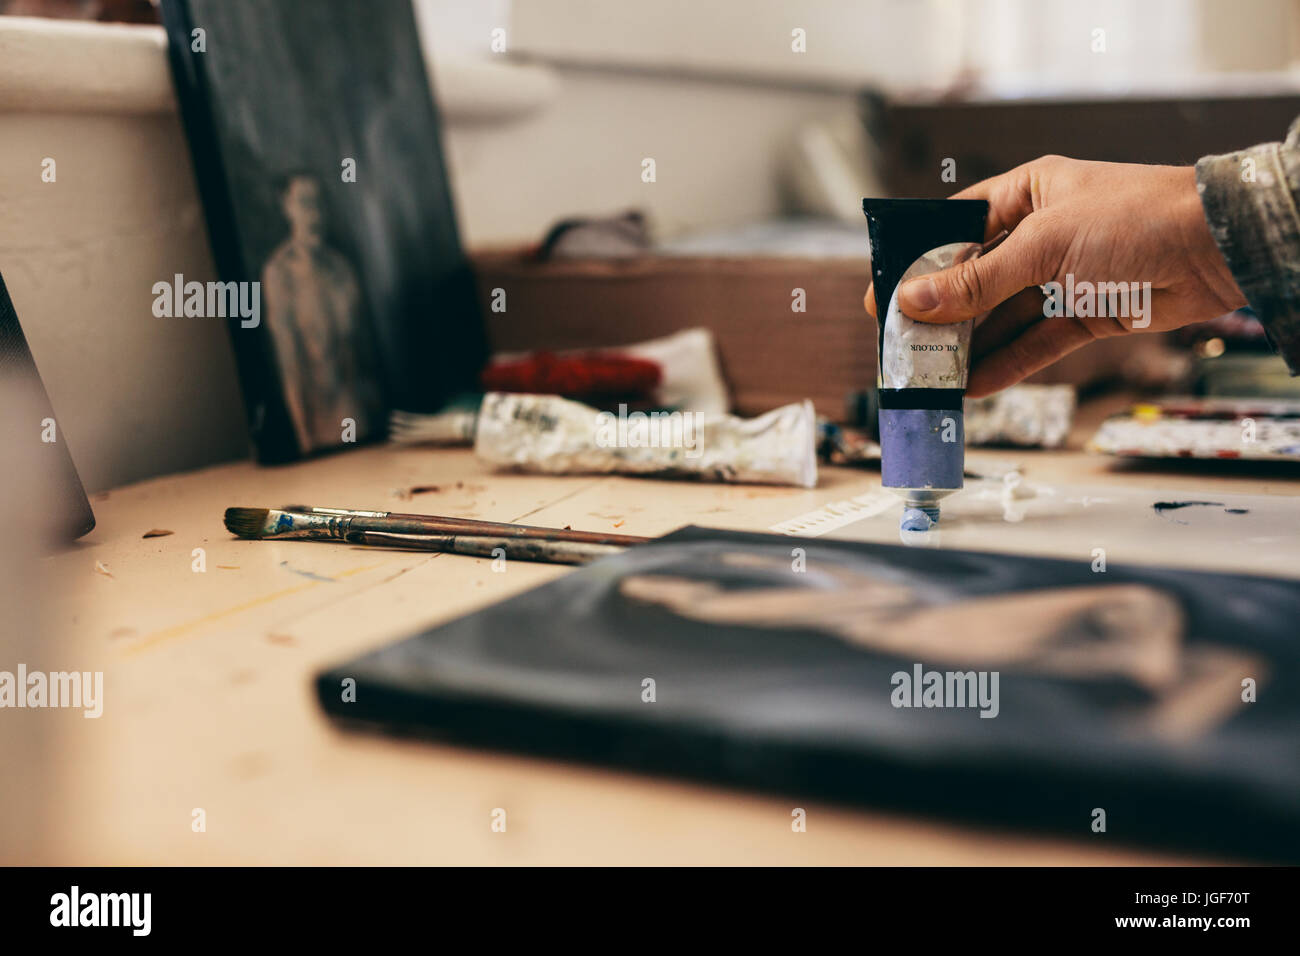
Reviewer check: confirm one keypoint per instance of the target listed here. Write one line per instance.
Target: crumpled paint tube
(923, 366)
(552, 435)
(1031, 416)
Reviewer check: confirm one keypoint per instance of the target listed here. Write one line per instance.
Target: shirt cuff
(1249, 201)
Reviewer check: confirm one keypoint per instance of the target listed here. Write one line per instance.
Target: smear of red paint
(575, 376)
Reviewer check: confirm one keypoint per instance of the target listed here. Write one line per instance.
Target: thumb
(976, 286)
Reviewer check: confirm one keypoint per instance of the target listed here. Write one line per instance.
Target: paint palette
(1098, 525)
(1248, 429)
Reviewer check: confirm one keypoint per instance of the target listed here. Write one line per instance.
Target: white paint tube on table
(551, 435)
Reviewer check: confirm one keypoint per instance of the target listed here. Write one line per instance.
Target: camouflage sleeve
(1250, 199)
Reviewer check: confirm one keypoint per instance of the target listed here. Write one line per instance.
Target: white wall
(1098, 47)
(715, 145)
(134, 395)
(899, 43)
(910, 45)
(624, 96)
(711, 89)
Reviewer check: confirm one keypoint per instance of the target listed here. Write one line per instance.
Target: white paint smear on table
(1257, 534)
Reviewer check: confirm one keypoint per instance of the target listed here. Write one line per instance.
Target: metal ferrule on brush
(321, 527)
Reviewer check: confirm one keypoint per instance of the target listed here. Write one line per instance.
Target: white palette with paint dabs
(1253, 534)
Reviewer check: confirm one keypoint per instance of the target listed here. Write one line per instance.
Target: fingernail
(919, 295)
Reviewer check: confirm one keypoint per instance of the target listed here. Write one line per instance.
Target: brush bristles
(247, 522)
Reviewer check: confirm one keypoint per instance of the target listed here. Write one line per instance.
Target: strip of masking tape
(837, 514)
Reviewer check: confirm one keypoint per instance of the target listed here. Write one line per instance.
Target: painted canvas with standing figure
(327, 203)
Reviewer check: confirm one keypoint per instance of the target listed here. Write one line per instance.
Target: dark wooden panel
(989, 138)
(770, 355)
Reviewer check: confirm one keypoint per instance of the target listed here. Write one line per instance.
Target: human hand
(1097, 223)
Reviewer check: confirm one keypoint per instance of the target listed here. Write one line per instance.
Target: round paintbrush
(514, 549)
(325, 524)
(398, 523)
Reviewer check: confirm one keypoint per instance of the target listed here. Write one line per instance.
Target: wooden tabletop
(208, 701)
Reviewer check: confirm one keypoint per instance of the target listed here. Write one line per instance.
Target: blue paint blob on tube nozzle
(922, 367)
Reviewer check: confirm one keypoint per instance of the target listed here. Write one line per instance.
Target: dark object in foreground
(1161, 705)
(31, 438)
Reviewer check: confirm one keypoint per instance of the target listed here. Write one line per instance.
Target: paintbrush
(258, 523)
(480, 546)
(387, 531)
(396, 523)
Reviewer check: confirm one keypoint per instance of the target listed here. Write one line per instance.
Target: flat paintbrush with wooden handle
(514, 549)
(396, 523)
(427, 533)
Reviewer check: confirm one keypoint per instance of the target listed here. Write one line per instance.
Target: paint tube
(923, 367)
(552, 435)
